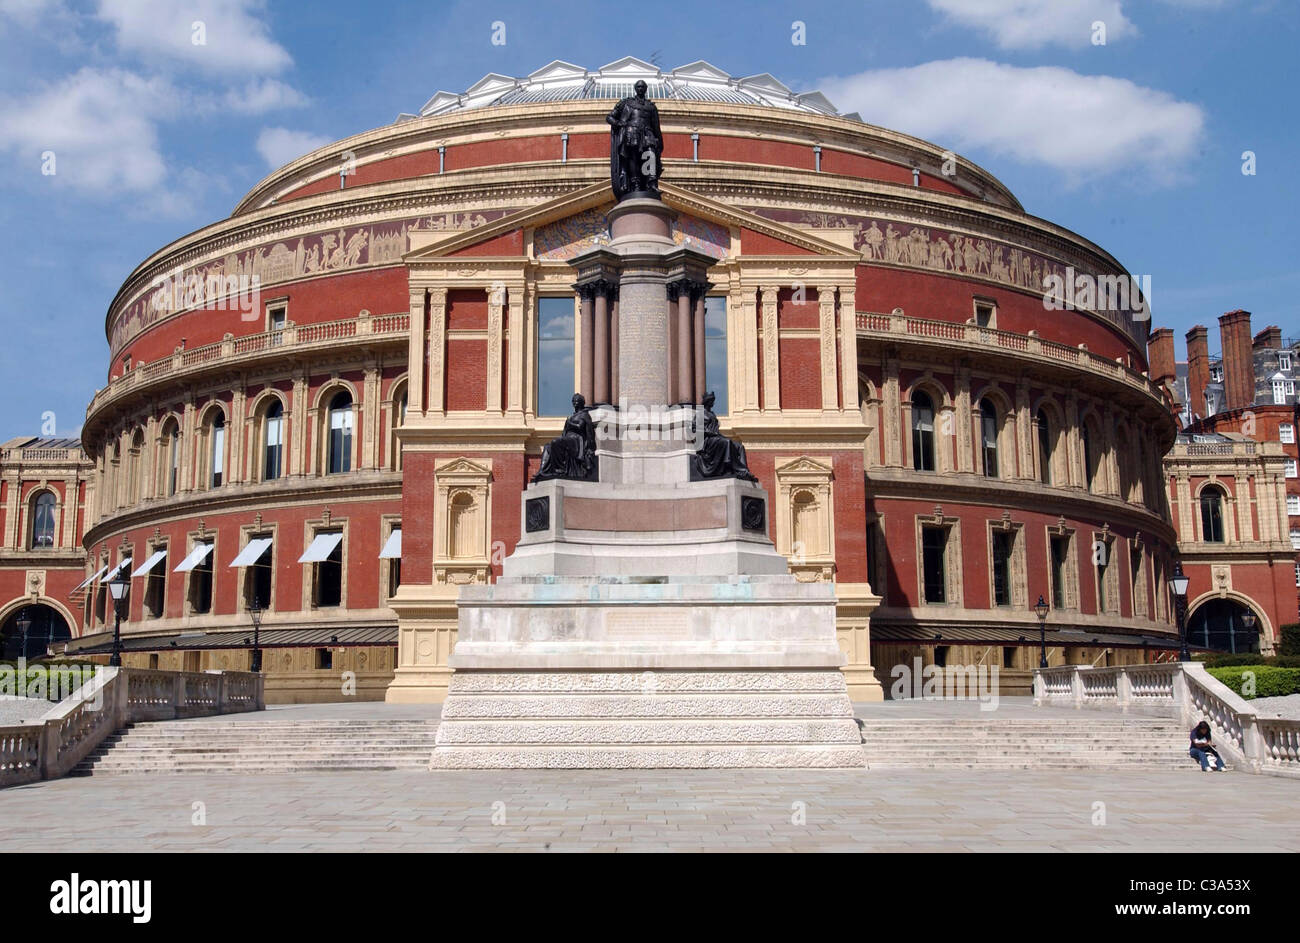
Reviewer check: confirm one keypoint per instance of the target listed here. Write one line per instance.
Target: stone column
(685, 372)
(848, 349)
(515, 333)
(296, 417)
(587, 358)
(701, 373)
(771, 351)
(613, 346)
(826, 349)
(1025, 444)
(891, 408)
(415, 355)
(437, 350)
(495, 344)
(965, 420)
(747, 363)
(600, 340)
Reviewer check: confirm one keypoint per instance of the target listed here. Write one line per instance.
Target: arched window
(1212, 515)
(136, 483)
(171, 459)
(922, 432)
(217, 453)
(273, 456)
(1089, 459)
(340, 433)
(43, 521)
(1044, 448)
(989, 437)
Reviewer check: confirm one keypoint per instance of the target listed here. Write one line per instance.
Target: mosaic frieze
(327, 252)
(892, 242)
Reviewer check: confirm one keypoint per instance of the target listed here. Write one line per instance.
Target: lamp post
(1178, 586)
(255, 611)
(1248, 621)
(117, 588)
(1040, 610)
(24, 623)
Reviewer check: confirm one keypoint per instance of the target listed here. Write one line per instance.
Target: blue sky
(1136, 144)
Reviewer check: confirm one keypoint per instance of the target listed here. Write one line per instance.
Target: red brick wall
(801, 376)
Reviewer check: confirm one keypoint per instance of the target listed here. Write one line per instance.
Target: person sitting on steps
(1202, 748)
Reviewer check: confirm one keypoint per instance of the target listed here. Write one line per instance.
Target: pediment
(805, 465)
(702, 222)
(462, 468)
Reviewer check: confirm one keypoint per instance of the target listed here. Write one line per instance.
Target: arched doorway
(1218, 624)
(48, 629)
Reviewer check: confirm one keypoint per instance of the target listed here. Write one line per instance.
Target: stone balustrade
(1031, 346)
(111, 700)
(1187, 691)
(293, 338)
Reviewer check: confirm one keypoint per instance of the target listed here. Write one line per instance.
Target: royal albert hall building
(350, 446)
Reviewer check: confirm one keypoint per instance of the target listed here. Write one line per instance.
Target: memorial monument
(645, 618)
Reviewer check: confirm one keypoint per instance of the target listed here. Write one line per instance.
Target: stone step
(656, 731)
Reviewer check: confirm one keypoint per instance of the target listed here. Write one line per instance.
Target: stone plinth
(646, 620)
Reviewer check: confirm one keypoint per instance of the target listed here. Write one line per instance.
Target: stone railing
(1030, 346)
(40, 456)
(111, 700)
(1187, 691)
(1206, 449)
(299, 338)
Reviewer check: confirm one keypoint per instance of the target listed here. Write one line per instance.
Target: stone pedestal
(646, 620)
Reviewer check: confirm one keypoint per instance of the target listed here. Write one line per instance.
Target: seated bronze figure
(573, 454)
(718, 456)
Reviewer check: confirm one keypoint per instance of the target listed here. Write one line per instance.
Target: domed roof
(563, 81)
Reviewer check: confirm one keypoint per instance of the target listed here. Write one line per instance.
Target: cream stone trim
(954, 589)
(310, 529)
(1070, 589)
(1017, 570)
(804, 515)
(463, 521)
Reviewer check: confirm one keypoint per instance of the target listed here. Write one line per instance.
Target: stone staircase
(1089, 740)
(264, 746)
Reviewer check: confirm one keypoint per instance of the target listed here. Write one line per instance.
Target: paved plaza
(901, 810)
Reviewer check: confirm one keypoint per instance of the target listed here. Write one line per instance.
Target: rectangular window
(715, 350)
(985, 314)
(1290, 468)
(1060, 559)
(1290, 387)
(1002, 544)
(201, 586)
(555, 361)
(218, 453)
(155, 589)
(276, 318)
(1279, 392)
(1286, 433)
(1295, 538)
(1297, 575)
(1284, 360)
(1103, 568)
(327, 580)
(934, 544)
(257, 576)
(1293, 504)
(340, 457)
(324, 658)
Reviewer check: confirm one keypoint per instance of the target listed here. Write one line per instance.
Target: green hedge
(1269, 681)
(1290, 643)
(54, 680)
(1272, 661)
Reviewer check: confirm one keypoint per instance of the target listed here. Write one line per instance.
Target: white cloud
(1031, 24)
(278, 146)
(100, 124)
(263, 95)
(232, 33)
(1082, 125)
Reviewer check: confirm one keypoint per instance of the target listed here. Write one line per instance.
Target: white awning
(197, 556)
(157, 557)
(90, 579)
(321, 548)
(393, 547)
(121, 565)
(252, 552)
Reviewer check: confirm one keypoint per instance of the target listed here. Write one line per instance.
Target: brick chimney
(1238, 359)
(1160, 353)
(1198, 369)
(1269, 339)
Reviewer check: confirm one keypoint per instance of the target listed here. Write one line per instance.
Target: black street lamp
(1040, 610)
(117, 588)
(255, 611)
(24, 623)
(1248, 620)
(1178, 586)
